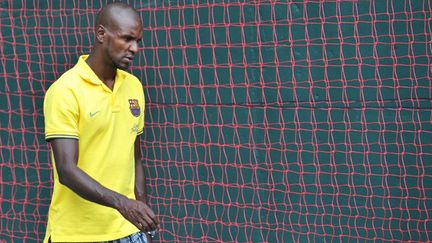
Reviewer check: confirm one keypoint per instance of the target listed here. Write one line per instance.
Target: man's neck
(106, 73)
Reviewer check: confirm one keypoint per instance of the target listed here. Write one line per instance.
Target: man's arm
(140, 181)
(66, 158)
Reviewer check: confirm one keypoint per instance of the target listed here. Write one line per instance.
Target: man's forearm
(70, 175)
(141, 191)
(88, 188)
(140, 182)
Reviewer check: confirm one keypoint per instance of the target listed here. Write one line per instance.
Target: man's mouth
(128, 59)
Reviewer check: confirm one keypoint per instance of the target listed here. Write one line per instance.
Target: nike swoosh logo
(92, 114)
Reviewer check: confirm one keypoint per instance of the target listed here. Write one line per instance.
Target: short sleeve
(141, 118)
(61, 112)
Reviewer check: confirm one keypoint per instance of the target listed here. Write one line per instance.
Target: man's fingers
(150, 217)
(141, 216)
(144, 227)
(149, 211)
(149, 222)
(156, 219)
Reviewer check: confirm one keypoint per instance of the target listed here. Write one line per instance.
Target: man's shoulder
(70, 73)
(130, 78)
(68, 80)
(127, 75)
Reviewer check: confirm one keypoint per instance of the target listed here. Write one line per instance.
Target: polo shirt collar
(90, 76)
(86, 72)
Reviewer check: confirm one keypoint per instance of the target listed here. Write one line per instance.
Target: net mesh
(266, 121)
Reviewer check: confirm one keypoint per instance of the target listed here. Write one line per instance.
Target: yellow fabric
(106, 123)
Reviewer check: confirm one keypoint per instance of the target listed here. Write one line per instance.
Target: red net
(266, 121)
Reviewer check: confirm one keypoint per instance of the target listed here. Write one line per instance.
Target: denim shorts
(139, 237)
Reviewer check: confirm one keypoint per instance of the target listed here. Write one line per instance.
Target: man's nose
(134, 47)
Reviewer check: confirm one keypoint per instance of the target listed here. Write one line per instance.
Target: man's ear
(100, 33)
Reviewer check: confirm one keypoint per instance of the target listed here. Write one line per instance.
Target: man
(94, 114)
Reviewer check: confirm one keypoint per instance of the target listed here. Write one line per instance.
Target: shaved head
(118, 31)
(112, 15)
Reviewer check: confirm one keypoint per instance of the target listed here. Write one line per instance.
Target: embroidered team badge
(134, 107)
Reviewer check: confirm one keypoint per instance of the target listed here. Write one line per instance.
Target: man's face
(122, 41)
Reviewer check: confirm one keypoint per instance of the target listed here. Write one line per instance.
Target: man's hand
(139, 214)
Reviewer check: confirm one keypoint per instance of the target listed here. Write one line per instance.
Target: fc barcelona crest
(134, 107)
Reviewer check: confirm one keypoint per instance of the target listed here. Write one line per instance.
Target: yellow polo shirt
(106, 123)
